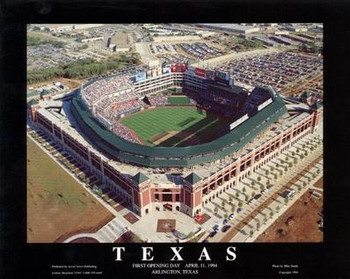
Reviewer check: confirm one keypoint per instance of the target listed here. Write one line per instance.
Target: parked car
(226, 228)
(231, 216)
(216, 228)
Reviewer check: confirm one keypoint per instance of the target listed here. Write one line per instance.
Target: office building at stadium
(178, 178)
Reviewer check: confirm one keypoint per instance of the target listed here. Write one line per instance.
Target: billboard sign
(178, 67)
(210, 75)
(264, 104)
(166, 70)
(239, 121)
(140, 76)
(222, 77)
(200, 72)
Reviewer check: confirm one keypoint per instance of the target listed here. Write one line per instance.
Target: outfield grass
(56, 203)
(180, 100)
(189, 120)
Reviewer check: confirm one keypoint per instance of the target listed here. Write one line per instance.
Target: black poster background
(330, 259)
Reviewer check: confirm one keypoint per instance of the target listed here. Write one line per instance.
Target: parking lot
(183, 52)
(279, 70)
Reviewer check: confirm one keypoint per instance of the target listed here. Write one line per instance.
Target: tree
(95, 188)
(233, 208)
(266, 172)
(259, 178)
(253, 183)
(253, 194)
(299, 187)
(275, 176)
(251, 233)
(268, 182)
(278, 208)
(244, 189)
(240, 204)
(265, 219)
(262, 188)
(257, 226)
(223, 204)
(237, 194)
(304, 184)
(230, 199)
(271, 214)
(216, 210)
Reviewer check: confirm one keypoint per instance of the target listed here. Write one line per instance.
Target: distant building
(91, 39)
(59, 28)
(119, 42)
(296, 28)
(266, 41)
(241, 29)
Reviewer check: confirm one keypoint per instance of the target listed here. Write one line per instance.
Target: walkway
(262, 215)
(107, 234)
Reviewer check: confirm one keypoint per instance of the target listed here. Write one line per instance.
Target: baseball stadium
(172, 137)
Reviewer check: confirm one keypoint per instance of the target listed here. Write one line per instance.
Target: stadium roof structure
(140, 177)
(316, 105)
(33, 102)
(44, 92)
(193, 178)
(306, 94)
(138, 154)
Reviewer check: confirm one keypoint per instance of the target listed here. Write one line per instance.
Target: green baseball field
(179, 100)
(175, 126)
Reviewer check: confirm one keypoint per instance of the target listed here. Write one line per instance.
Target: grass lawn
(188, 120)
(56, 204)
(182, 100)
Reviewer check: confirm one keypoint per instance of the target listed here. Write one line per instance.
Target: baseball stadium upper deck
(252, 113)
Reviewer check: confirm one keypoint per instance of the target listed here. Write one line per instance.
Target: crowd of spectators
(158, 100)
(114, 109)
(104, 88)
(277, 70)
(124, 132)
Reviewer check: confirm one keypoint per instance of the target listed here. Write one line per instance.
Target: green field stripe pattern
(180, 100)
(153, 122)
